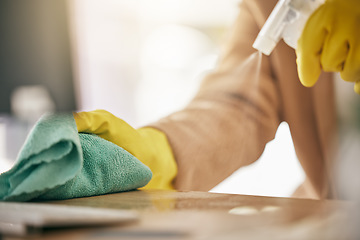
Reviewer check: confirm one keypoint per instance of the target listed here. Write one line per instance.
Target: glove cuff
(162, 161)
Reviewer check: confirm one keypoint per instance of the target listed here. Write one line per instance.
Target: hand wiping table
(57, 162)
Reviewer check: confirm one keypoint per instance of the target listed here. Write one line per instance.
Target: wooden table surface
(203, 215)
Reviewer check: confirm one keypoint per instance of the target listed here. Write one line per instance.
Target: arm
(235, 113)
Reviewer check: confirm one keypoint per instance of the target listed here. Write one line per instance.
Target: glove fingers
(109, 127)
(309, 48)
(335, 51)
(351, 70)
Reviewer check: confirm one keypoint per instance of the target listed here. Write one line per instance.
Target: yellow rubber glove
(149, 145)
(331, 42)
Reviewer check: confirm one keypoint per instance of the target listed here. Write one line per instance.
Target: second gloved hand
(331, 42)
(149, 145)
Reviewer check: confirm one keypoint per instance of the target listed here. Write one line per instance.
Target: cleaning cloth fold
(57, 162)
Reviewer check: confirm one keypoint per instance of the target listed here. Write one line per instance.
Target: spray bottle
(286, 22)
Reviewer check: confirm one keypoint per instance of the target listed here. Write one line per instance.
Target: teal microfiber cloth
(57, 162)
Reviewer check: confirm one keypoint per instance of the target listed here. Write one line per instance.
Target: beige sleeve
(234, 114)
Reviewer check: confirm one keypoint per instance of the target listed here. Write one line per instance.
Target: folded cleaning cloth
(56, 162)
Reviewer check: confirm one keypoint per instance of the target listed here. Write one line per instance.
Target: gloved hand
(149, 145)
(331, 42)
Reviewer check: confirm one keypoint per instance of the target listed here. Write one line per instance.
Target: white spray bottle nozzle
(286, 21)
(264, 44)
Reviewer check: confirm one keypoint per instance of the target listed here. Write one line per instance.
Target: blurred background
(140, 60)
